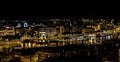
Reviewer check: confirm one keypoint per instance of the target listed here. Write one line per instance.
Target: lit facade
(7, 32)
(48, 31)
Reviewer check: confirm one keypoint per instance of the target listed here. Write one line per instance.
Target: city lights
(65, 40)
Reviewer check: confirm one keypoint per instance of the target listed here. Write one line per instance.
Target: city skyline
(69, 39)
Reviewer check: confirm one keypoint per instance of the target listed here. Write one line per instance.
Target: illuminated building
(18, 28)
(2, 31)
(48, 31)
(88, 30)
(85, 20)
(92, 38)
(80, 37)
(117, 28)
(106, 25)
(10, 31)
(28, 44)
(42, 35)
(7, 31)
(98, 27)
(61, 30)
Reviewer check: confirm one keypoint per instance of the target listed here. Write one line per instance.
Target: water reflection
(107, 51)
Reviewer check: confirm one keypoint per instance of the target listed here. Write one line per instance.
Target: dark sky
(60, 8)
(4, 4)
(115, 4)
(61, 5)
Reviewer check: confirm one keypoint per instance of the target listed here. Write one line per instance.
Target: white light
(25, 24)
(108, 37)
(29, 44)
(43, 40)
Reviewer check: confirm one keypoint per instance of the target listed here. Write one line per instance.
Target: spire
(18, 25)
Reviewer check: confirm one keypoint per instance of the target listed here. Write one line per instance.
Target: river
(108, 51)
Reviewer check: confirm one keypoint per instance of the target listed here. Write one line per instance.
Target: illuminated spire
(18, 25)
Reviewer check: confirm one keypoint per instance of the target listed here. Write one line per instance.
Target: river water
(77, 52)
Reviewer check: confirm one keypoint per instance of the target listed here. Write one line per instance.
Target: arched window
(25, 24)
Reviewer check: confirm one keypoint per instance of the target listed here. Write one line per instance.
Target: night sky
(42, 9)
(4, 4)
